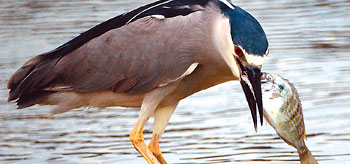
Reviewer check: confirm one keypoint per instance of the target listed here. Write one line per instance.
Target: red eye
(238, 51)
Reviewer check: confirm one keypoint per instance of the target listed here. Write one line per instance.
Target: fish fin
(306, 157)
(286, 141)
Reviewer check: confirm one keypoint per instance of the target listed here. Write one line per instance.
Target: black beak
(251, 84)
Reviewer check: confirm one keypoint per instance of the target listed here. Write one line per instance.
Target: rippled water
(309, 44)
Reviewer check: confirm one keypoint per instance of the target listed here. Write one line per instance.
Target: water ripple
(309, 45)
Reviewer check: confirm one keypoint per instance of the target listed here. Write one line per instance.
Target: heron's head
(250, 46)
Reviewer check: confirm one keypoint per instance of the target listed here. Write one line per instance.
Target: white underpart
(158, 16)
(255, 60)
(187, 72)
(223, 43)
(227, 4)
(271, 107)
(146, 10)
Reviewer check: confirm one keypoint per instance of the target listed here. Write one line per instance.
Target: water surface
(309, 44)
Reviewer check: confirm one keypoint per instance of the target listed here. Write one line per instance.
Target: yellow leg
(154, 148)
(148, 107)
(161, 119)
(136, 137)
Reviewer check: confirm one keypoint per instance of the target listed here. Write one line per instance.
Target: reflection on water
(309, 44)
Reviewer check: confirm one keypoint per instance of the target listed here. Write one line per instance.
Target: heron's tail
(27, 82)
(306, 157)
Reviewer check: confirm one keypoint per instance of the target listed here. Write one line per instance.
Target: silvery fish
(283, 111)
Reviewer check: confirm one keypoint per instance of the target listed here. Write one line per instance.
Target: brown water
(309, 44)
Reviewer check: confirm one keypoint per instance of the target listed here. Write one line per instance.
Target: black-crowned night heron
(151, 57)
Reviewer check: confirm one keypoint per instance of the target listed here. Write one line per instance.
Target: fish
(283, 111)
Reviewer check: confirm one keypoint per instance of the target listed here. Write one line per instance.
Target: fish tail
(306, 157)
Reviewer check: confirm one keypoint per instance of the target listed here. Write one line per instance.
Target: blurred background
(309, 45)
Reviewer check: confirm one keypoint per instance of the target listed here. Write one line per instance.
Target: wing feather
(125, 60)
(131, 53)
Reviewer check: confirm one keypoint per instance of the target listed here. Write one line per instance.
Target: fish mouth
(251, 85)
(267, 84)
(264, 80)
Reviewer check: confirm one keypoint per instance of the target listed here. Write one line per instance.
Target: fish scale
(283, 111)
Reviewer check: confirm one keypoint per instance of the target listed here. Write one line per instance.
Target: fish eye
(238, 51)
(281, 87)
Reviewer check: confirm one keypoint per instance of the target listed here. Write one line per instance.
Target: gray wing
(134, 58)
(133, 52)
